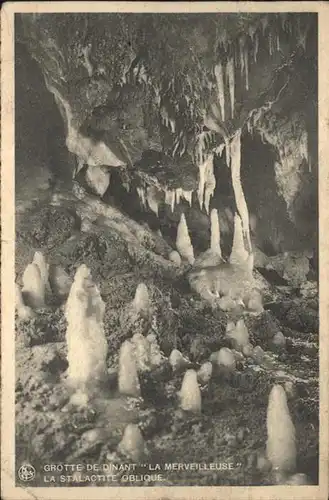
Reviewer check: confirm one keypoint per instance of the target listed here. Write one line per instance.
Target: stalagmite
(132, 444)
(190, 394)
(239, 335)
(85, 336)
(187, 195)
(183, 241)
(142, 351)
(239, 255)
(224, 357)
(220, 88)
(207, 182)
(128, 382)
(142, 195)
(24, 312)
(281, 442)
(40, 261)
(231, 83)
(98, 179)
(156, 356)
(205, 372)
(60, 282)
(241, 47)
(170, 198)
(177, 360)
(151, 193)
(141, 303)
(33, 287)
(237, 186)
(255, 302)
(215, 233)
(256, 47)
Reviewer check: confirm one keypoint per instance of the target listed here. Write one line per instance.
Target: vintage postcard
(164, 218)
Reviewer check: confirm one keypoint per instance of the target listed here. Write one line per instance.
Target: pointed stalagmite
(85, 336)
(190, 394)
(142, 352)
(141, 302)
(183, 241)
(224, 357)
(24, 312)
(187, 195)
(132, 444)
(281, 441)
(40, 261)
(215, 233)
(170, 198)
(33, 287)
(128, 382)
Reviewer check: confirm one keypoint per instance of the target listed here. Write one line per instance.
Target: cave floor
(231, 429)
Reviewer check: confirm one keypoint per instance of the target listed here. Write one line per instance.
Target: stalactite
(215, 233)
(256, 47)
(210, 184)
(190, 394)
(231, 83)
(33, 287)
(237, 186)
(241, 47)
(152, 202)
(220, 88)
(141, 195)
(281, 441)
(246, 66)
(183, 241)
(170, 198)
(128, 382)
(187, 195)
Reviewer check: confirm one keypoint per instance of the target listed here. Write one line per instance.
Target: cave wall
(120, 96)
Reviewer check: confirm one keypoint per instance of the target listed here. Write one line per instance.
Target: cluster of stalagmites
(87, 351)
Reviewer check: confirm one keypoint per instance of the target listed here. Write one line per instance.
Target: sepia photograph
(165, 303)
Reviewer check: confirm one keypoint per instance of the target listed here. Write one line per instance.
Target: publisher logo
(26, 472)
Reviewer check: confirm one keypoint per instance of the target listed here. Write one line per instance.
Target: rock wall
(158, 111)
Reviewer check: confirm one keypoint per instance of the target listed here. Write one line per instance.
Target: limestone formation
(85, 336)
(183, 241)
(190, 394)
(33, 287)
(281, 439)
(128, 382)
(132, 443)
